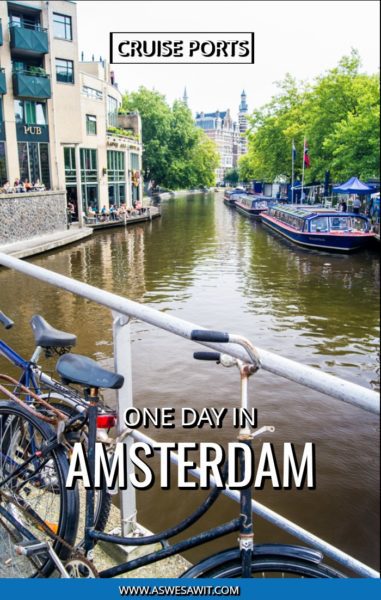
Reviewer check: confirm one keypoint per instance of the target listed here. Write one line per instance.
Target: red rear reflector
(106, 421)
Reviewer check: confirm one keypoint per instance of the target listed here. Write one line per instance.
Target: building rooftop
(213, 115)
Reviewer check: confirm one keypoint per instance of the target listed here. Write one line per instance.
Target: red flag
(306, 156)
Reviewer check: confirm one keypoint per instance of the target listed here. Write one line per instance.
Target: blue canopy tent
(353, 186)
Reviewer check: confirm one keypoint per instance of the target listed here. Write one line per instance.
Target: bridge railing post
(123, 365)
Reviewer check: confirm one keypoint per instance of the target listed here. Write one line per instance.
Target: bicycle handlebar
(6, 321)
(207, 356)
(206, 335)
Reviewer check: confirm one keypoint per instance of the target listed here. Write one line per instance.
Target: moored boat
(253, 206)
(320, 228)
(231, 196)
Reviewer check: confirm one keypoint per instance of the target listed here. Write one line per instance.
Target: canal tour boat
(320, 228)
(230, 196)
(253, 206)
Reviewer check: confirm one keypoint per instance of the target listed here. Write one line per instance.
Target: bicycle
(247, 560)
(61, 400)
(48, 341)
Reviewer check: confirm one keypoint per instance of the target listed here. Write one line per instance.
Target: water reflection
(203, 262)
(327, 303)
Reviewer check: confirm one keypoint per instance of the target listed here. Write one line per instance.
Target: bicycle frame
(243, 524)
(32, 374)
(27, 378)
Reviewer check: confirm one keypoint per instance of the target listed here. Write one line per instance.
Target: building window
(3, 164)
(2, 127)
(34, 162)
(91, 125)
(62, 27)
(115, 165)
(64, 70)
(116, 177)
(90, 198)
(89, 179)
(28, 112)
(112, 111)
(92, 93)
(135, 173)
(135, 164)
(135, 194)
(88, 158)
(27, 21)
(70, 167)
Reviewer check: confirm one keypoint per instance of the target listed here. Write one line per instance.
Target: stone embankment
(35, 222)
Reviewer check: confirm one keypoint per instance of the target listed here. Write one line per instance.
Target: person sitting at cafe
(91, 212)
(123, 212)
(104, 213)
(27, 185)
(113, 212)
(18, 185)
(70, 212)
(6, 189)
(38, 186)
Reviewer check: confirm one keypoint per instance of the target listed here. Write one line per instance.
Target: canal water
(205, 263)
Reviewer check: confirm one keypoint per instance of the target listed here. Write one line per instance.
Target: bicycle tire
(33, 500)
(103, 499)
(272, 567)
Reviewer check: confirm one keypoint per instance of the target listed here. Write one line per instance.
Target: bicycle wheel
(35, 505)
(102, 498)
(273, 567)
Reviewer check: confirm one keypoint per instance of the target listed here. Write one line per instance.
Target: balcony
(28, 84)
(31, 40)
(3, 83)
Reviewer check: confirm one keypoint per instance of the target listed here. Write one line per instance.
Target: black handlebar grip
(206, 335)
(6, 321)
(207, 356)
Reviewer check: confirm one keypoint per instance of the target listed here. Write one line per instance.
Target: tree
(338, 115)
(246, 167)
(156, 123)
(176, 153)
(355, 143)
(272, 131)
(203, 161)
(232, 176)
(339, 100)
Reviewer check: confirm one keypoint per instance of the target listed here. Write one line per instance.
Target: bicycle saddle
(47, 337)
(74, 368)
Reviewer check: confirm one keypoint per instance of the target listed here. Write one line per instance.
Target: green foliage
(156, 121)
(203, 160)
(339, 116)
(354, 144)
(123, 132)
(246, 167)
(176, 154)
(232, 176)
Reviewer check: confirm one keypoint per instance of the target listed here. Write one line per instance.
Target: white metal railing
(123, 309)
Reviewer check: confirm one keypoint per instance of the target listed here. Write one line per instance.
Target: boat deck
(153, 212)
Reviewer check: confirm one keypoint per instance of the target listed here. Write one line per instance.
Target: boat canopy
(353, 186)
(310, 212)
(299, 210)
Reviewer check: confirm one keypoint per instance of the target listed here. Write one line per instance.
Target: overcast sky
(303, 38)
